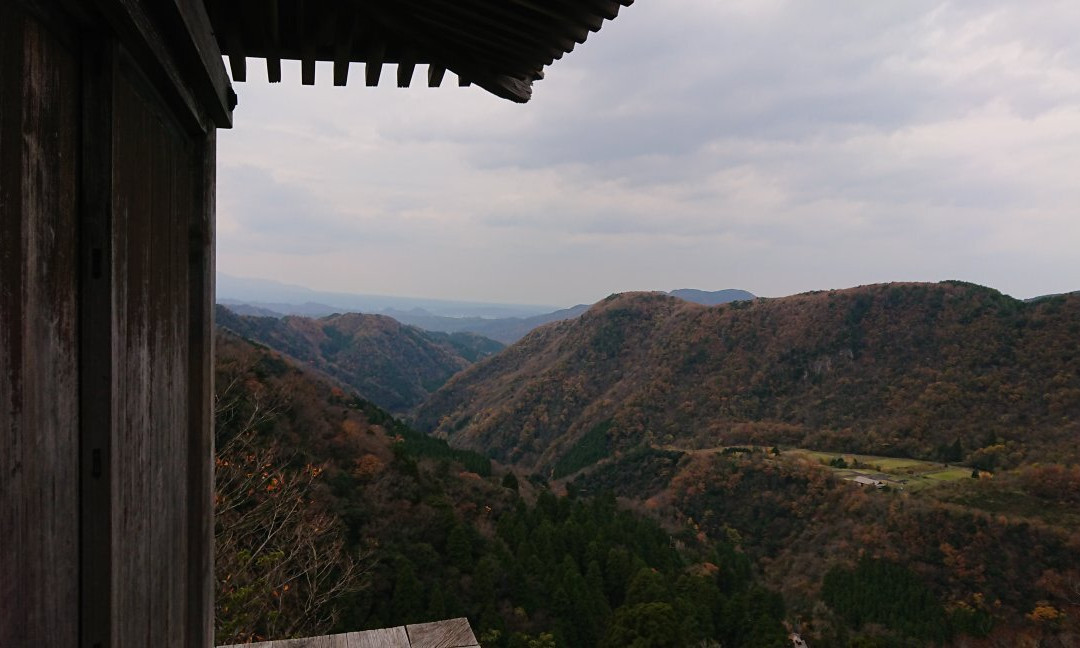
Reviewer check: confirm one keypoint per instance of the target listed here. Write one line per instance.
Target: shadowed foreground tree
(280, 560)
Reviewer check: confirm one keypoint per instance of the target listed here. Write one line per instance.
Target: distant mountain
(240, 308)
(1042, 297)
(393, 365)
(297, 300)
(510, 330)
(506, 330)
(713, 298)
(898, 369)
(281, 309)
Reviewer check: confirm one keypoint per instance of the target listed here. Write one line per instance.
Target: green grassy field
(910, 474)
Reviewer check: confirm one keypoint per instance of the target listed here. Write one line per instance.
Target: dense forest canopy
(907, 370)
(661, 473)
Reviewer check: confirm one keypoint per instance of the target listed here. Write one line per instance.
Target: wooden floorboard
(451, 633)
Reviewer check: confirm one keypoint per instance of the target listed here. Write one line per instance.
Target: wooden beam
(445, 56)
(343, 42)
(607, 8)
(507, 87)
(272, 33)
(450, 23)
(192, 30)
(341, 70)
(373, 69)
(238, 65)
(273, 69)
(305, 36)
(435, 75)
(142, 37)
(307, 70)
(405, 71)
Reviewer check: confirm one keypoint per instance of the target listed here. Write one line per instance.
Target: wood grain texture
(39, 80)
(452, 633)
(382, 638)
(200, 459)
(200, 56)
(337, 641)
(106, 199)
(148, 40)
(155, 182)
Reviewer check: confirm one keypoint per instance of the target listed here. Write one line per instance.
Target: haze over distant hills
(288, 299)
(506, 323)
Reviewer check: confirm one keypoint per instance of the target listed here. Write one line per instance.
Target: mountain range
(736, 434)
(505, 329)
(891, 369)
(290, 299)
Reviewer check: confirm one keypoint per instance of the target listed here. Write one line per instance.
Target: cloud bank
(771, 145)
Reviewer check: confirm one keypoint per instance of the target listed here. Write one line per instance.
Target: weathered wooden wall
(155, 185)
(39, 417)
(106, 294)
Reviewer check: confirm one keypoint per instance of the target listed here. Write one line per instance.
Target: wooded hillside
(333, 516)
(948, 371)
(391, 364)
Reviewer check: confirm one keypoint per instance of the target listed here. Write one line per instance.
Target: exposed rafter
(499, 45)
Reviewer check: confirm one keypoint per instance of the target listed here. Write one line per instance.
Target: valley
(903, 474)
(924, 434)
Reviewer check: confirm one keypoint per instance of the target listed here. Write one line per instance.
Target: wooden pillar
(201, 277)
(39, 386)
(106, 323)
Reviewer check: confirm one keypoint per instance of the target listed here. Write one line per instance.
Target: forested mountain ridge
(511, 329)
(387, 362)
(922, 370)
(332, 516)
(398, 527)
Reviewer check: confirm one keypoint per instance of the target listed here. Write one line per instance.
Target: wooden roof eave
(502, 47)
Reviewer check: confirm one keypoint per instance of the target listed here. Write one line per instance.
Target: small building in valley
(868, 481)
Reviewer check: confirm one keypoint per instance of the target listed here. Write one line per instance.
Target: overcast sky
(770, 145)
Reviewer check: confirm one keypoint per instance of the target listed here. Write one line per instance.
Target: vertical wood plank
(200, 469)
(157, 185)
(39, 102)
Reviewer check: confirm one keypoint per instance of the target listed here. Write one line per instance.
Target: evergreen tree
(645, 625)
(436, 609)
(459, 548)
(648, 586)
(407, 602)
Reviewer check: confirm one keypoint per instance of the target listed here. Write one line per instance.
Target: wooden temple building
(108, 115)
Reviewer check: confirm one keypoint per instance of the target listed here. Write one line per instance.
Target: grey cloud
(785, 144)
